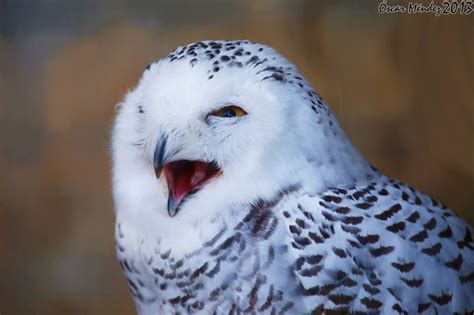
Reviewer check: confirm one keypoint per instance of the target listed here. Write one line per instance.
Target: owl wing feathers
(379, 247)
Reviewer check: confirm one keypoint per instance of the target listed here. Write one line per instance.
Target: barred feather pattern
(375, 247)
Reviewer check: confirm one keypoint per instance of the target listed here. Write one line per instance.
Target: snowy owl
(237, 191)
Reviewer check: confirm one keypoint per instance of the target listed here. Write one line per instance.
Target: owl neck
(318, 160)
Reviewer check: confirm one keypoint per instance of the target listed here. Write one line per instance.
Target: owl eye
(229, 111)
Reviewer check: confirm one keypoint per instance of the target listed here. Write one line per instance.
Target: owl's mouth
(184, 178)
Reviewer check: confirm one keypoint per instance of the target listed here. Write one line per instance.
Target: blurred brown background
(401, 85)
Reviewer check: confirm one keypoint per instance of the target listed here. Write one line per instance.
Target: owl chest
(233, 271)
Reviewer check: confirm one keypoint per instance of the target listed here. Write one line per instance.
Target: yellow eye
(229, 111)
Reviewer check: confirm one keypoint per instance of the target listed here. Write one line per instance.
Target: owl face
(222, 123)
(198, 131)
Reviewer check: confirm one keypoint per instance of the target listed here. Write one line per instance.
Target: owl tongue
(185, 178)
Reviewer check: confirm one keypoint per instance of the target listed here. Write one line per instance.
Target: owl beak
(183, 177)
(158, 158)
(159, 162)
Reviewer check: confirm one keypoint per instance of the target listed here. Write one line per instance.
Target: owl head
(219, 123)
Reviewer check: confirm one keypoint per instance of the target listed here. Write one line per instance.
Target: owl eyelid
(238, 111)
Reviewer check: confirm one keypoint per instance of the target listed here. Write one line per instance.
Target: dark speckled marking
(371, 303)
(433, 250)
(455, 263)
(403, 267)
(413, 217)
(387, 214)
(382, 250)
(446, 233)
(441, 299)
(419, 237)
(396, 227)
(414, 283)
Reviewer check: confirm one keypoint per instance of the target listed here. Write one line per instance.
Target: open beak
(183, 177)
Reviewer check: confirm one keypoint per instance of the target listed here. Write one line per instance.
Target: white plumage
(237, 191)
